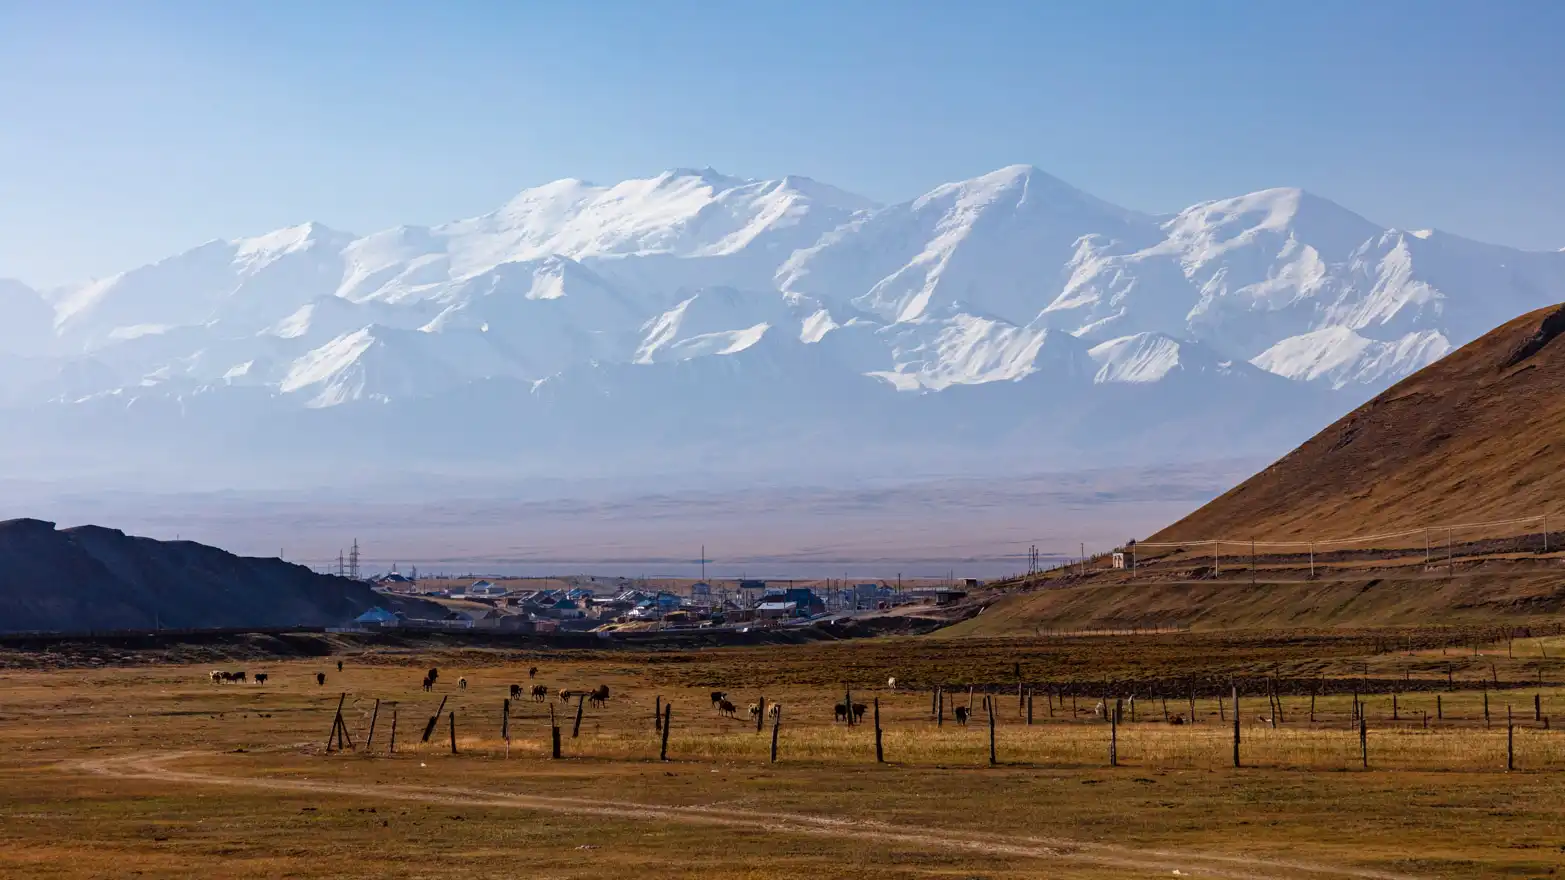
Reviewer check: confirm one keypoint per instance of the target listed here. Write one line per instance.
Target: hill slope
(93, 578)
(1476, 436)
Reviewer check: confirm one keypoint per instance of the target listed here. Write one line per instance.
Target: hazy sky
(130, 131)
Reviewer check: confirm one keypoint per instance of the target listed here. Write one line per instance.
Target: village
(617, 604)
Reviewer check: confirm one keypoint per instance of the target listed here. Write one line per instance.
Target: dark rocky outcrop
(95, 579)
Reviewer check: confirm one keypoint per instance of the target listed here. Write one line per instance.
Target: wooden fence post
(581, 700)
(880, 753)
(668, 720)
(761, 715)
(1114, 736)
(1029, 709)
(554, 734)
(1364, 741)
(847, 701)
(336, 721)
(1312, 703)
(1192, 702)
(1510, 746)
(940, 713)
(452, 717)
(391, 749)
(429, 729)
(1537, 707)
(776, 723)
(657, 715)
(934, 701)
(1439, 708)
(992, 760)
(1486, 708)
(505, 722)
(1395, 714)
(1236, 724)
(374, 716)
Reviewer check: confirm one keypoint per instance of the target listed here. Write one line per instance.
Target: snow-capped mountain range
(703, 305)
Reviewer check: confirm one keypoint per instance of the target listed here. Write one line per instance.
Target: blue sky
(129, 131)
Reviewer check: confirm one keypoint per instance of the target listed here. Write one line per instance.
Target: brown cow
(858, 711)
(516, 692)
(599, 695)
(540, 693)
(961, 715)
(726, 708)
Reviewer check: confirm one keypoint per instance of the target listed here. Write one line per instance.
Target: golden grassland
(155, 771)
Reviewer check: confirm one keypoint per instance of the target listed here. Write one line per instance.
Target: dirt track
(154, 766)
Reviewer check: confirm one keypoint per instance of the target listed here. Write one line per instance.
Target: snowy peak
(1009, 276)
(1143, 358)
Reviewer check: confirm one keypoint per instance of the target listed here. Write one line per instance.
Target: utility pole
(353, 560)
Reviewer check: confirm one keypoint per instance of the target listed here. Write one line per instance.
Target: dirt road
(155, 766)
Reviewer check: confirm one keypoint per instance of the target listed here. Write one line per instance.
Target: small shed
(776, 610)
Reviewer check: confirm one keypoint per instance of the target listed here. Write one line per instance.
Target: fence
(1434, 549)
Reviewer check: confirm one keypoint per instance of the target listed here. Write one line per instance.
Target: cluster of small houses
(582, 609)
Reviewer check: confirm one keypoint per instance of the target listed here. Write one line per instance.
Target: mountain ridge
(988, 281)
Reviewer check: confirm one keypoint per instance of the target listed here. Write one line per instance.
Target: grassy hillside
(1478, 435)
(1478, 599)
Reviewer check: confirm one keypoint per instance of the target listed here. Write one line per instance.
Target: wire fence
(1432, 549)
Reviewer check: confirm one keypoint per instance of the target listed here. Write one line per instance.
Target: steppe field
(141, 766)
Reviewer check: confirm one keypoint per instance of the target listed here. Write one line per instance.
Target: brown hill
(96, 579)
(1476, 436)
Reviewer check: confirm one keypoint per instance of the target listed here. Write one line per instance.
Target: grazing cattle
(533, 672)
(566, 695)
(540, 693)
(599, 695)
(1099, 709)
(892, 682)
(320, 678)
(433, 675)
(718, 697)
(461, 684)
(428, 683)
(260, 678)
(840, 712)
(961, 715)
(1263, 719)
(755, 711)
(1177, 719)
(240, 676)
(339, 665)
(775, 711)
(516, 692)
(726, 708)
(217, 677)
(858, 711)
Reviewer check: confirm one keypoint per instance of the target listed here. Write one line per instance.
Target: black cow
(320, 678)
